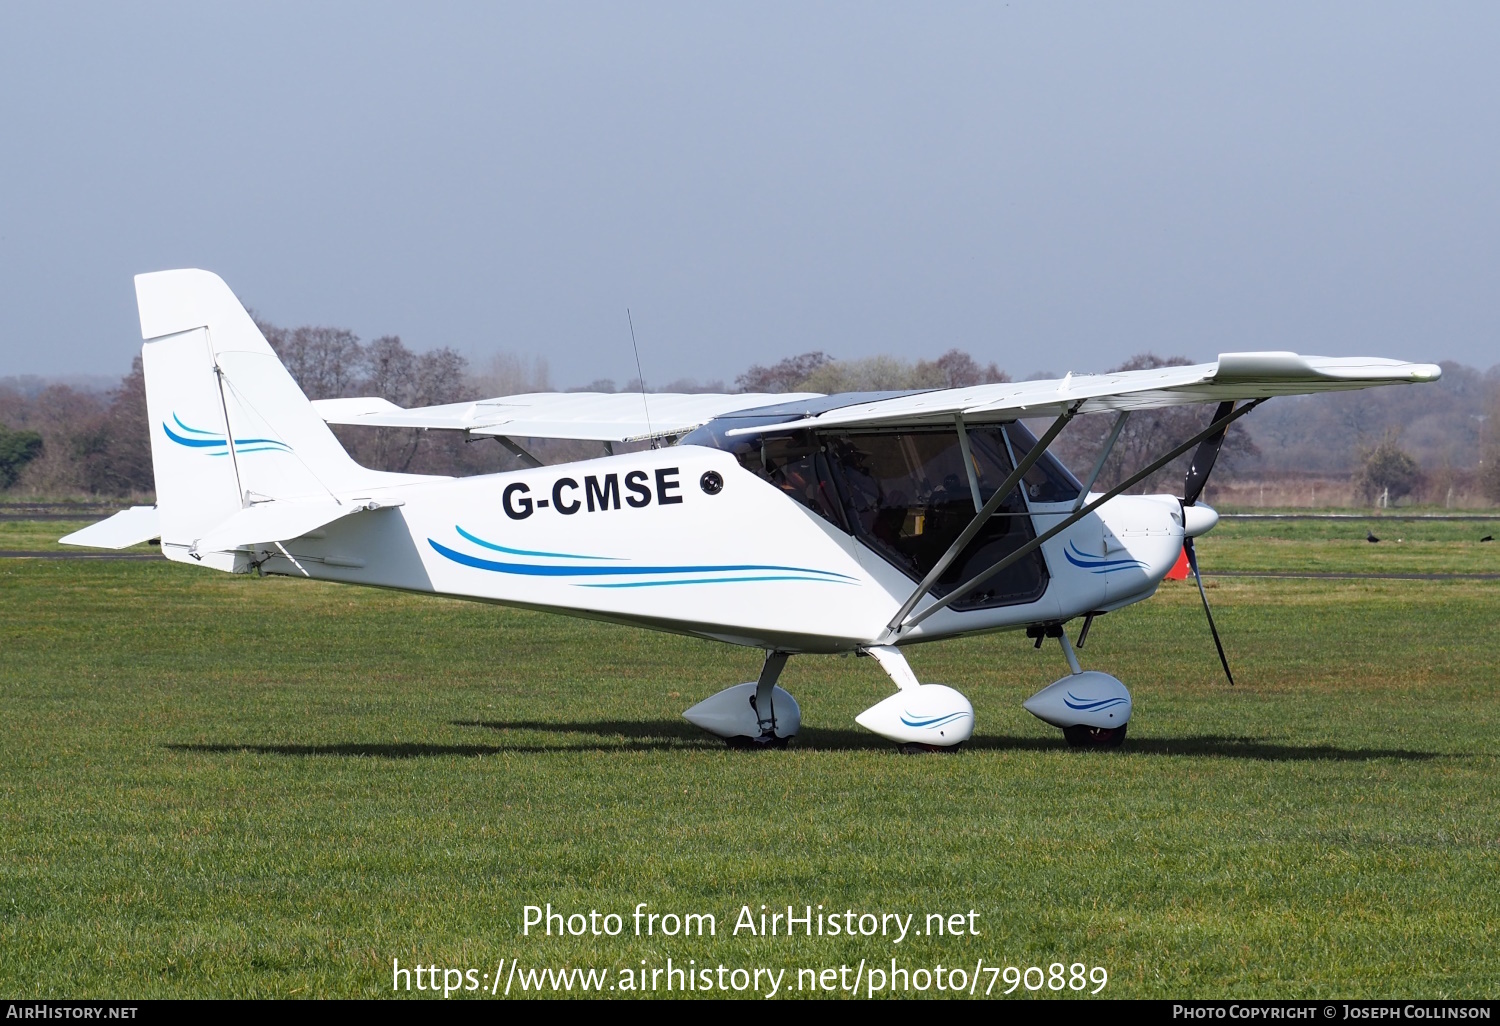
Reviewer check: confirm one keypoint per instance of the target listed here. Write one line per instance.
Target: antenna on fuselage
(640, 377)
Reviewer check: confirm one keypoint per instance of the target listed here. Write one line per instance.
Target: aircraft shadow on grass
(354, 749)
(663, 735)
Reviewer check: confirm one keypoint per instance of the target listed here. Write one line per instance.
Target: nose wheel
(1080, 736)
(1091, 708)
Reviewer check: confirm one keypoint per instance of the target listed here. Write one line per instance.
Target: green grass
(42, 536)
(225, 786)
(1405, 546)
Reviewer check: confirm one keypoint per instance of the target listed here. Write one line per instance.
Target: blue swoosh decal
(216, 441)
(526, 552)
(935, 721)
(1087, 705)
(196, 443)
(190, 430)
(714, 580)
(1099, 566)
(536, 570)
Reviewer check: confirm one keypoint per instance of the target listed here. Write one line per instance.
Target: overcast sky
(1052, 187)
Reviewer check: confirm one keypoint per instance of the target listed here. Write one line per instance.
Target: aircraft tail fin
(229, 426)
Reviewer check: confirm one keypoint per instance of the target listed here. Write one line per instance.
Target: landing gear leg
(1067, 647)
(764, 702)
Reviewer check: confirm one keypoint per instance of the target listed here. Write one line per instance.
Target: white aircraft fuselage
(637, 539)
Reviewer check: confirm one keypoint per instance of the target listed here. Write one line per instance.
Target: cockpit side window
(1047, 480)
(797, 466)
(793, 462)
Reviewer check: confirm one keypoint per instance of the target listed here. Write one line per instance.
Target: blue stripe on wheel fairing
(1091, 705)
(936, 721)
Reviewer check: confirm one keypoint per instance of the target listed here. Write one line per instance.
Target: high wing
(593, 416)
(625, 417)
(1232, 376)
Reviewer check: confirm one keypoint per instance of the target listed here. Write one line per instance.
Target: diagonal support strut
(1109, 447)
(1073, 518)
(983, 516)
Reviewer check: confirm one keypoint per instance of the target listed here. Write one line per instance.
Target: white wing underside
(592, 416)
(622, 417)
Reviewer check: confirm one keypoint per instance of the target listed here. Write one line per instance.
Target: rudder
(229, 425)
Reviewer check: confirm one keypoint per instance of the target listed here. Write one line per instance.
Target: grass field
(1405, 546)
(213, 785)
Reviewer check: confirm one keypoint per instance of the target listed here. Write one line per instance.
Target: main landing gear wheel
(753, 716)
(756, 744)
(1081, 736)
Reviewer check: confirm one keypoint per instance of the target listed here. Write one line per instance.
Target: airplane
(791, 523)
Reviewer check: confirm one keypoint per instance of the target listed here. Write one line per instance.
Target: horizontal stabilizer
(280, 521)
(126, 528)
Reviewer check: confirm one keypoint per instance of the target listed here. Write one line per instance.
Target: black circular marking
(711, 482)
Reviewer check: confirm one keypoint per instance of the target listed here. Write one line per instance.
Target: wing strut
(985, 512)
(968, 455)
(1219, 424)
(1109, 447)
(519, 453)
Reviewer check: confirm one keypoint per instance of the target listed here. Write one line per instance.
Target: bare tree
(1148, 435)
(122, 464)
(394, 372)
(69, 421)
(326, 362)
(597, 385)
(1489, 459)
(957, 369)
(509, 374)
(870, 374)
(818, 372)
(784, 376)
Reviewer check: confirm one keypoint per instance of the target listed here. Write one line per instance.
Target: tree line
(61, 440)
